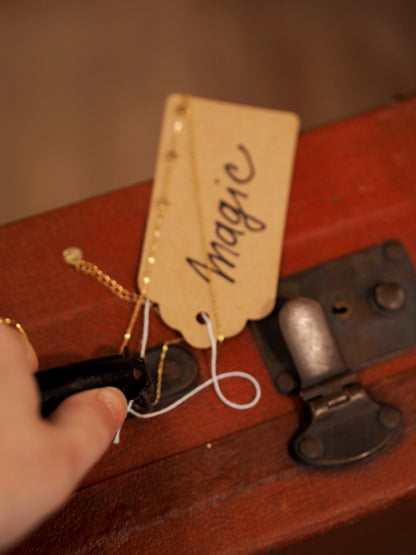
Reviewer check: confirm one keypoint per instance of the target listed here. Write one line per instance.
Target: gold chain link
(74, 257)
(160, 369)
(160, 373)
(111, 284)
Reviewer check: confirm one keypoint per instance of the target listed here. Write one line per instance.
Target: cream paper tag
(215, 227)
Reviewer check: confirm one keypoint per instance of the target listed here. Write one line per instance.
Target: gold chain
(160, 373)
(111, 284)
(182, 118)
(162, 202)
(74, 257)
(161, 367)
(131, 324)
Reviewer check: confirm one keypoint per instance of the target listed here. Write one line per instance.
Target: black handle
(127, 373)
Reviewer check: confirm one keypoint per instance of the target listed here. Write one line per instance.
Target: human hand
(43, 460)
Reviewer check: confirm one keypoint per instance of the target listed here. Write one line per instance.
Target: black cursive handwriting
(230, 168)
(232, 223)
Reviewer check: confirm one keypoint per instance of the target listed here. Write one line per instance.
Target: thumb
(85, 424)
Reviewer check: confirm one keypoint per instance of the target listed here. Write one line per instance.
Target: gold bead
(72, 255)
(177, 126)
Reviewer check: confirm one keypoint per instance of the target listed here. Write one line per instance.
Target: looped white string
(214, 380)
(145, 334)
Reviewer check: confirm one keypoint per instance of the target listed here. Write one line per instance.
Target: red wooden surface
(163, 489)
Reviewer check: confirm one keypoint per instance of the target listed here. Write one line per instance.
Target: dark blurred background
(83, 82)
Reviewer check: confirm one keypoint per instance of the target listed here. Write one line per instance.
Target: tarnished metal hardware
(389, 296)
(309, 340)
(343, 424)
(369, 301)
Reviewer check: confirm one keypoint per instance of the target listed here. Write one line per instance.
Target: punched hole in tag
(200, 319)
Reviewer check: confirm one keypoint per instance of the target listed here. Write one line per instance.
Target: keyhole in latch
(342, 310)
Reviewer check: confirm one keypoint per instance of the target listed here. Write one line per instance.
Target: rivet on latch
(344, 423)
(389, 296)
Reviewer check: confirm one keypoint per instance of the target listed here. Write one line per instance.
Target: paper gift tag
(215, 227)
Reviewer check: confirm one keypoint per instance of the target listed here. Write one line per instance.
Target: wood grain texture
(163, 489)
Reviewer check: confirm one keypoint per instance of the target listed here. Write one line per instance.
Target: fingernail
(115, 401)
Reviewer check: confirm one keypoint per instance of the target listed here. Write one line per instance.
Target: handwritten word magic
(232, 223)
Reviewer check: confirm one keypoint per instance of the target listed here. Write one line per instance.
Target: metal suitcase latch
(343, 423)
(363, 311)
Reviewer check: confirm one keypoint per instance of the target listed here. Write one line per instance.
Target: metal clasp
(343, 423)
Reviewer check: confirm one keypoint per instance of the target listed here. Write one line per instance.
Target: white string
(116, 439)
(145, 334)
(214, 380)
(214, 377)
